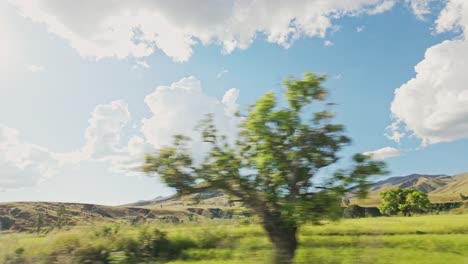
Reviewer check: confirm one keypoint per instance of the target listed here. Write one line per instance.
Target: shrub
(354, 211)
(6, 222)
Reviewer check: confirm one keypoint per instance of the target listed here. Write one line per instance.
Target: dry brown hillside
(22, 216)
(440, 188)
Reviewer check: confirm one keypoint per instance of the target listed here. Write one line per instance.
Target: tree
(271, 165)
(406, 201)
(61, 211)
(39, 221)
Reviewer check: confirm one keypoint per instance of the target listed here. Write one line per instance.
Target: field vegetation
(418, 239)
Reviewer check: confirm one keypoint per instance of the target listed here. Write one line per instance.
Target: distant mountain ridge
(165, 200)
(153, 201)
(431, 184)
(440, 185)
(21, 216)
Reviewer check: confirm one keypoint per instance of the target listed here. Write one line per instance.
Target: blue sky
(86, 89)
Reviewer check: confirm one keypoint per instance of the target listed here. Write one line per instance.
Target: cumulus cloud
(177, 109)
(105, 127)
(104, 143)
(23, 164)
(230, 101)
(453, 17)
(129, 160)
(137, 28)
(174, 109)
(383, 153)
(433, 105)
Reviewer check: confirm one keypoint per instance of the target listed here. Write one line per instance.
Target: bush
(91, 254)
(354, 211)
(16, 258)
(120, 244)
(6, 222)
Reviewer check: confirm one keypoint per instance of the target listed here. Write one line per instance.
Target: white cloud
(36, 68)
(129, 160)
(230, 101)
(454, 17)
(177, 109)
(382, 7)
(221, 73)
(103, 134)
(394, 132)
(104, 143)
(360, 29)
(383, 153)
(328, 43)
(23, 164)
(137, 28)
(433, 105)
(420, 7)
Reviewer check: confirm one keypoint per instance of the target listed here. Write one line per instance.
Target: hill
(206, 198)
(457, 185)
(440, 188)
(22, 216)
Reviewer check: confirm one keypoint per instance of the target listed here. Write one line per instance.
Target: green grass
(419, 239)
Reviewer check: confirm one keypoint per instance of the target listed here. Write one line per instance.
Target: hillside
(22, 216)
(440, 188)
(458, 184)
(215, 198)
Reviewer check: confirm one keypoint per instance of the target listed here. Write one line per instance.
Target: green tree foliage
(61, 211)
(270, 167)
(406, 201)
(39, 221)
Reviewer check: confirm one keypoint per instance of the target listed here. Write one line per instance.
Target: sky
(87, 88)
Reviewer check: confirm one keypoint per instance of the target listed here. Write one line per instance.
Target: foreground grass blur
(421, 239)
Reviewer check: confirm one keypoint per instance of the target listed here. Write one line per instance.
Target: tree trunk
(284, 240)
(284, 248)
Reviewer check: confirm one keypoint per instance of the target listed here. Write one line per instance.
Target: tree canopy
(281, 146)
(406, 201)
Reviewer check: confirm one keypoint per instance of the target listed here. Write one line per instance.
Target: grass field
(419, 239)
